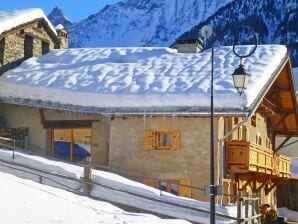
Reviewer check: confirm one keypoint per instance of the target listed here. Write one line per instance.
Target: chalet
(146, 111)
(27, 33)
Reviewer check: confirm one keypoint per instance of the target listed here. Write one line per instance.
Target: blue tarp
(62, 150)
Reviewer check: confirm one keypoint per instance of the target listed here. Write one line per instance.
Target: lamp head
(240, 78)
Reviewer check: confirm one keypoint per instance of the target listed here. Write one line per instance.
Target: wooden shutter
(183, 190)
(148, 139)
(151, 183)
(176, 139)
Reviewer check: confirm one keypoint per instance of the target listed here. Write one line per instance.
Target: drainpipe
(221, 143)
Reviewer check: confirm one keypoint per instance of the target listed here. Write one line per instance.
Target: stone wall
(190, 161)
(13, 53)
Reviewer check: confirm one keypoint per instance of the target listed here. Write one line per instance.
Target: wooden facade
(252, 160)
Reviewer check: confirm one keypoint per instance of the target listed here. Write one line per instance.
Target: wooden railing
(244, 157)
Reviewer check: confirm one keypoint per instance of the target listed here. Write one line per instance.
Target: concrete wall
(191, 161)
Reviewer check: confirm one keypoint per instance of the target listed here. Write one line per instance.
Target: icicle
(144, 120)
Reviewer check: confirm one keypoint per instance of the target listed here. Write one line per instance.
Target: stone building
(24, 34)
(145, 111)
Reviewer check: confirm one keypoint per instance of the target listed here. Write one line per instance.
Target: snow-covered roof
(12, 19)
(59, 27)
(116, 80)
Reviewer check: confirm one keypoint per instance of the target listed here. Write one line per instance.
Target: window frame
(157, 143)
(45, 47)
(28, 45)
(180, 183)
(151, 140)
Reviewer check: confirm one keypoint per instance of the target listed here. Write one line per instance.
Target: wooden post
(87, 177)
(239, 206)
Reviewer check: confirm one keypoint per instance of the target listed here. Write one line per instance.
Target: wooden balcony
(246, 157)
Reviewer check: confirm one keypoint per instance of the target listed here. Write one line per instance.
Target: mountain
(274, 21)
(57, 17)
(141, 22)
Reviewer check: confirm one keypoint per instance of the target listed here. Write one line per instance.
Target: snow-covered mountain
(57, 17)
(141, 22)
(274, 21)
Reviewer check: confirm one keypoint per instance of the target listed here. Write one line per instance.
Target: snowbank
(132, 78)
(12, 19)
(25, 201)
(291, 215)
(118, 189)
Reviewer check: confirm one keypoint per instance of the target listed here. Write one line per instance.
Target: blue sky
(73, 9)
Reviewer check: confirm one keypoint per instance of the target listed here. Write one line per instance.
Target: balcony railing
(245, 157)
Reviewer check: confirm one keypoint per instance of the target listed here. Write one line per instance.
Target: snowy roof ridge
(133, 79)
(15, 18)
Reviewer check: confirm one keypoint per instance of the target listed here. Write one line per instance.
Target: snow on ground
(114, 183)
(291, 215)
(133, 78)
(25, 201)
(12, 19)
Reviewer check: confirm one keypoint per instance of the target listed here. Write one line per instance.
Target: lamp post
(240, 78)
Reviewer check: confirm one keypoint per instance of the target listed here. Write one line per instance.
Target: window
(45, 47)
(159, 140)
(180, 187)
(2, 47)
(72, 144)
(245, 135)
(253, 121)
(28, 46)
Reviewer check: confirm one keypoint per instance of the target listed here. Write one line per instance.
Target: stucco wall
(100, 142)
(191, 161)
(18, 116)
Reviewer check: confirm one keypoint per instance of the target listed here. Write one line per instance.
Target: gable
(279, 105)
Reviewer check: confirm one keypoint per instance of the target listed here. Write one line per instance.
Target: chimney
(189, 45)
(63, 36)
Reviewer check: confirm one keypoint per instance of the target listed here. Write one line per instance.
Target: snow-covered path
(25, 201)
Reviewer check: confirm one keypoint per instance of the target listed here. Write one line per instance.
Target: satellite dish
(206, 31)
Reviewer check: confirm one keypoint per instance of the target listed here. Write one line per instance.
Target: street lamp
(240, 78)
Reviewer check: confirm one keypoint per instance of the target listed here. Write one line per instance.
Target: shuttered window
(159, 140)
(178, 187)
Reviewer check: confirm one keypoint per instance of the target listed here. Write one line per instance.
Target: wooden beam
(246, 184)
(286, 133)
(263, 184)
(282, 144)
(281, 120)
(42, 118)
(68, 123)
(286, 111)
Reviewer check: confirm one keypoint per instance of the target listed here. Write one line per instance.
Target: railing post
(257, 206)
(239, 207)
(246, 204)
(87, 177)
(253, 206)
(13, 148)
